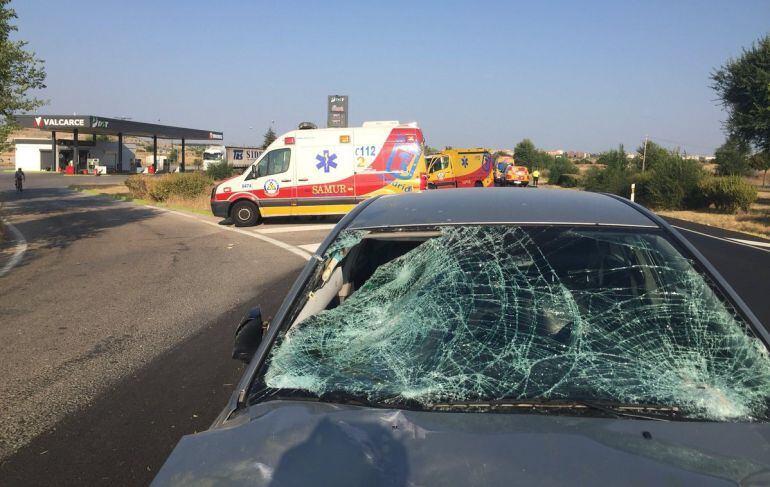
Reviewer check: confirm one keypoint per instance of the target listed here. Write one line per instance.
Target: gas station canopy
(94, 125)
(91, 124)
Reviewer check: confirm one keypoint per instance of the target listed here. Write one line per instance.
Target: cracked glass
(482, 313)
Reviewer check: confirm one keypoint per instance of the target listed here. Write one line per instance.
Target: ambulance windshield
(486, 313)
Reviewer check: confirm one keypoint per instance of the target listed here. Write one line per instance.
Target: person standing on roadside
(535, 177)
(19, 177)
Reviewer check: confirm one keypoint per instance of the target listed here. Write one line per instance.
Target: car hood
(300, 443)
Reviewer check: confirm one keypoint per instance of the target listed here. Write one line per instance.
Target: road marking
(291, 248)
(728, 240)
(299, 228)
(311, 247)
(21, 247)
(751, 242)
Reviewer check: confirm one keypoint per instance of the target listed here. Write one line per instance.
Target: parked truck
(243, 157)
(239, 157)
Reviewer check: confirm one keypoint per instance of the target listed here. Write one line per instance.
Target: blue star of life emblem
(464, 161)
(326, 161)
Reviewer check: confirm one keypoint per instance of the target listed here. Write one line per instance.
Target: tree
(269, 137)
(743, 85)
(173, 155)
(732, 158)
(654, 156)
(615, 160)
(761, 162)
(525, 153)
(20, 72)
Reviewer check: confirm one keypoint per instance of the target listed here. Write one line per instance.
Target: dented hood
(308, 443)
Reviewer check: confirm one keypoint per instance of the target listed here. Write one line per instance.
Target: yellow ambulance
(460, 168)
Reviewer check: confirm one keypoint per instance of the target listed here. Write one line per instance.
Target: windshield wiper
(345, 397)
(638, 411)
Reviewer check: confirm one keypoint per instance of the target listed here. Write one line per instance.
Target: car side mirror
(248, 335)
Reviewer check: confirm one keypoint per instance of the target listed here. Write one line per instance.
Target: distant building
(578, 154)
(698, 157)
(557, 152)
(38, 154)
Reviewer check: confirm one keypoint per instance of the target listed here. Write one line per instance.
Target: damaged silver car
(482, 336)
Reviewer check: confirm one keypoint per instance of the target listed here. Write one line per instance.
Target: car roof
(499, 205)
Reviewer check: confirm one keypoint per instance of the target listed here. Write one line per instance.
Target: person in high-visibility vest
(535, 177)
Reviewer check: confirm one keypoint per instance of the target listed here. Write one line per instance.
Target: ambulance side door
(469, 169)
(445, 175)
(272, 181)
(325, 175)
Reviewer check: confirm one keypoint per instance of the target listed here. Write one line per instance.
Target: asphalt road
(116, 327)
(746, 267)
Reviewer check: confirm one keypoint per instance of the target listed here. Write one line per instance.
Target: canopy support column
(75, 152)
(182, 166)
(120, 153)
(155, 153)
(55, 153)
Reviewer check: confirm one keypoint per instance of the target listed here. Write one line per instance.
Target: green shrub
(561, 167)
(569, 180)
(137, 185)
(727, 193)
(642, 192)
(610, 180)
(219, 170)
(673, 184)
(159, 188)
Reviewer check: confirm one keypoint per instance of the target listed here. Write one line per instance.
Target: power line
(679, 143)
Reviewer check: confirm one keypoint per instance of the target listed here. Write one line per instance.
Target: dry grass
(120, 191)
(201, 203)
(108, 189)
(756, 221)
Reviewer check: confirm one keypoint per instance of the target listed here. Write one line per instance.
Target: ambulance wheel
(479, 184)
(245, 214)
(431, 186)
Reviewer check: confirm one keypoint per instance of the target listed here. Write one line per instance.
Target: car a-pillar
(245, 213)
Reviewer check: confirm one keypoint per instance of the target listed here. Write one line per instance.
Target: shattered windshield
(483, 313)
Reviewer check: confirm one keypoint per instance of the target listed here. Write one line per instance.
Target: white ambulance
(324, 172)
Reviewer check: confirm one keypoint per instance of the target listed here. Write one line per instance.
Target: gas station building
(59, 154)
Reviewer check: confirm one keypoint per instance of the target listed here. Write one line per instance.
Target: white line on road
(728, 240)
(311, 247)
(299, 228)
(751, 242)
(21, 247)
(291, 248)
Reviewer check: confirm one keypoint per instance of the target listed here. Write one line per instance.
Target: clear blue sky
(572, 74)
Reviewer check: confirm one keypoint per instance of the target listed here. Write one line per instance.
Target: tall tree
(20, 72)
(743, 85)
(269, 137)
(732, 158)
(525, 153)
(614, 160)
(761, 162)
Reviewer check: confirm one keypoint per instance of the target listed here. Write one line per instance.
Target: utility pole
(644, 152)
